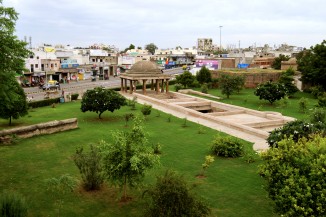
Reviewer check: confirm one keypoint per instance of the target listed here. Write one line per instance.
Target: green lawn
(246, 98)
(232, 187)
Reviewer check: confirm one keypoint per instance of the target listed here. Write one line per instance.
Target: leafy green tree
(146, 110)
(128, 157)
(239, 81)
(186, 79)
(100, 100)
(287, 80)
(295, 176)
(90, 167)
(171, 196)
(270, 91)
(228, 84)
(131, 46)
(151, 48)
(204, 75)
(312, 65)
(12, 58)
(278, 60)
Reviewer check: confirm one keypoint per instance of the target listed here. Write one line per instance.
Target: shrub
(316, 91)
(295, 176)
(318, 116)
(128, 117)
(171, 197)
(42, 103)
(227, 146)
(322, 100)
(157, 148)
(146, 109)
(270, 91)
(303, 104)
(204, 75)
(132, 103)
(12, 205)
(177, 87)
(74, 96)
(204, 88)
(90, 168)
(295, 130)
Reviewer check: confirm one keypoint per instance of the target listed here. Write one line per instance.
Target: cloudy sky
(171, 23)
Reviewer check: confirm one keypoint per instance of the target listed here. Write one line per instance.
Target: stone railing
(6, 136)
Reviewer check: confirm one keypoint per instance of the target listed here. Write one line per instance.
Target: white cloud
(170, 23)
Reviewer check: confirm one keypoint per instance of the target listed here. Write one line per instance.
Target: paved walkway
(259, 143)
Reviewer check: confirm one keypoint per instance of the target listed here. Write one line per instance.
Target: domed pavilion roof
(144, 67)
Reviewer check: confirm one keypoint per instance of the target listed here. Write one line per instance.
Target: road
(35, 93)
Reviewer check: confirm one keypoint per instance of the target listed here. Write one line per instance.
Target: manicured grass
(246, 98)
(232, 187)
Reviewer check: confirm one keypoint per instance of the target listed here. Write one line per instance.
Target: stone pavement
(259, 143)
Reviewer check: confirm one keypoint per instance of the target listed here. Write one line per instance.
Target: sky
(171, 23)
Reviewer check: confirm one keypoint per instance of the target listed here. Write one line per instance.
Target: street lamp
(220, 39)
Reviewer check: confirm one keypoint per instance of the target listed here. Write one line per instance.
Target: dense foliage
(186, 79)
(230, 84)
(312, 65)
(90, 167)
(128, 157)
(146, 109)
(298, 129)
(278, 60)
(151, 47)
(270, 91)
(227, 146)
(12, 58)
(171, 196)
(204, 75)
(100, 100)
(287, 80)
(295, 176)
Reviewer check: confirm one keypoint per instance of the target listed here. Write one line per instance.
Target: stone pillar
(131, 86)
(167, 85)
(122, 85)
(157, 86)
(152, 84)
(162, 88)
(126, 85)
(144, 86)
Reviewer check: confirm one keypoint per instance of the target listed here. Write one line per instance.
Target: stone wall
(38, 129)
(252, 79)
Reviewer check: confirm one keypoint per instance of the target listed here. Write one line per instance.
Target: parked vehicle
(51, 85)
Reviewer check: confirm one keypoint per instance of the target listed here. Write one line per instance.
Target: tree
(186, 79)
(295, 176)
(171, 196)
(131, 46)
(128, 157)
(270, 91)
(12, 58)
(90, 167)
(312, 65)
(287, 80)
(146, 110)
(204, 75)
(228, 84)
(100, 100)
(151, 48)
(278, 60)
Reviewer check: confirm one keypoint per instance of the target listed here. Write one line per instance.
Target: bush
(303, 104)
(90, 168)
(295, 130)
(227, 146)
(177, 87)
(204, 75)
(42, 103)
(146, 110)
(74, 96)
(322, 100)
(318, 116)
(171, 197)
(270, 91)
(12, 205)
(316, 91)
(157, 148)
(204, 88)
(295, 176)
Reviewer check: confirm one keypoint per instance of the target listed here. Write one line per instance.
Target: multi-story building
(205, 44)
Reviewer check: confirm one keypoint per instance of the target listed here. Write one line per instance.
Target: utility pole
(220, 39)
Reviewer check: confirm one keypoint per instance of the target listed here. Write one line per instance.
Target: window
(37, 57)
(55, 65)
(36, 66)
(51, 65)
